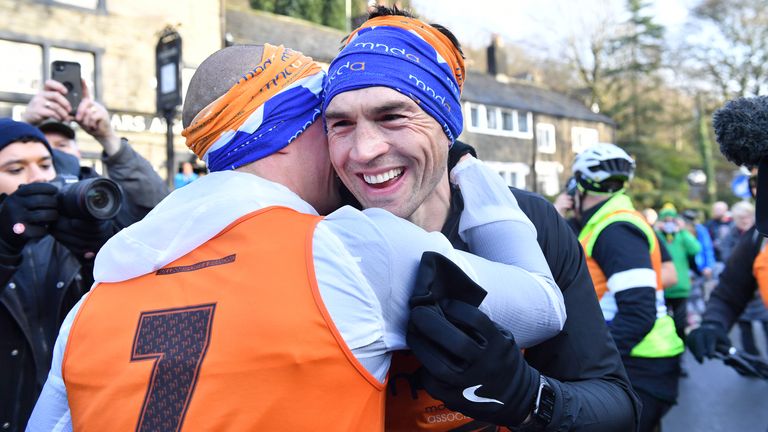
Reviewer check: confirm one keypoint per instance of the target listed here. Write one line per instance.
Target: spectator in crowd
(329, 304)
(186, 176)
(680, 241)
(141, 185)
(389, 139)
(703, 265)
(743, 213)
(650, 215)
(705, 259)
(719, 226)
(46, 260)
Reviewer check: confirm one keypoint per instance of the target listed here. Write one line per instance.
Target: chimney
(497, 57)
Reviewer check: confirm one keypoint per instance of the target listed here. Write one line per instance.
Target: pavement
(714, 398)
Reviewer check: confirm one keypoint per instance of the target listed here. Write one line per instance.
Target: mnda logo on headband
(388, 49)
(350, 66)
(430, 91)
(285, 73)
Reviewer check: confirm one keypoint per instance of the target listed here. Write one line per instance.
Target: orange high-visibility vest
(662, 341)
(760, 271)
(232, 336)
(622, 215)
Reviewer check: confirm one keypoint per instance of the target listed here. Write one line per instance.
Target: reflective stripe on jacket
(662, 340)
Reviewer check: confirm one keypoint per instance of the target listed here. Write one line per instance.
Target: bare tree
(729, 46)
(587, 48)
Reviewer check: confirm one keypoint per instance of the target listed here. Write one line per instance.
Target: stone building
(514, 124)
(114, 42)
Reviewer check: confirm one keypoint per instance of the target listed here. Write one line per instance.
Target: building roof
(485, 89)
(249, 26)
(322, 43)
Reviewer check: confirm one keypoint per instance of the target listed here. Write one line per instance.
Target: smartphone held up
(68, 74)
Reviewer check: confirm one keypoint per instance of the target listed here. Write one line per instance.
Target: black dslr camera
(95, 198)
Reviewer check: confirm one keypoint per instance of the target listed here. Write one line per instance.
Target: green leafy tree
(640, 50)
(331, 13)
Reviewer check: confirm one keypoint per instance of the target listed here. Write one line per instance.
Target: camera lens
(102, 199)
(93, 198)
(98, 198)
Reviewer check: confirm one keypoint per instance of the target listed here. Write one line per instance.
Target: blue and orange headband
(265, 111)
(408, 56)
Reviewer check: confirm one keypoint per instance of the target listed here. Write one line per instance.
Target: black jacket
(737, 284)
(36, 292)
(592, 389)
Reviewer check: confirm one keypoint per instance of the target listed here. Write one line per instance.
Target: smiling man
(234, 302)
(392, 112)
(404, 177)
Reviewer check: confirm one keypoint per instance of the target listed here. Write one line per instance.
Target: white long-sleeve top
(365, 263)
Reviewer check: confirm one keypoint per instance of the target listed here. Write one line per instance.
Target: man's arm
(736, 287)
(734, 291)
(142, 186)
(622, 252)
(582, 362)
(495, 228)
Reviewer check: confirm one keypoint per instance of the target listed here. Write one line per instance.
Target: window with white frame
(513, 173)
(494, 120)
(491, 115)
(507, 121)
(25, 74)
(583, 138)
(522, 121)
(545, 138)
(474, 116)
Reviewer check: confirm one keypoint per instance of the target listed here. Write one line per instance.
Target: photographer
(46, 261)
(50, 111)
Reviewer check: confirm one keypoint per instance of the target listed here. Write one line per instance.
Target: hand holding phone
(68, 74)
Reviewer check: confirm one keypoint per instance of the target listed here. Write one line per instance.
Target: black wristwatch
(545, 403)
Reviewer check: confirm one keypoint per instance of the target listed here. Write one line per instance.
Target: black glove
(704, 340)
(457, 150)
(25, 215)
(470, 364)
(83, 237)
(439, 279)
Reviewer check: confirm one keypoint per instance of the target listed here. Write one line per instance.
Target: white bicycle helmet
(603, 168)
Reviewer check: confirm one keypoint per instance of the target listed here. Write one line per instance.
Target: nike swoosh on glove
(467, 361)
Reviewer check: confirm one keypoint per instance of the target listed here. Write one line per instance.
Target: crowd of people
(348, 255)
